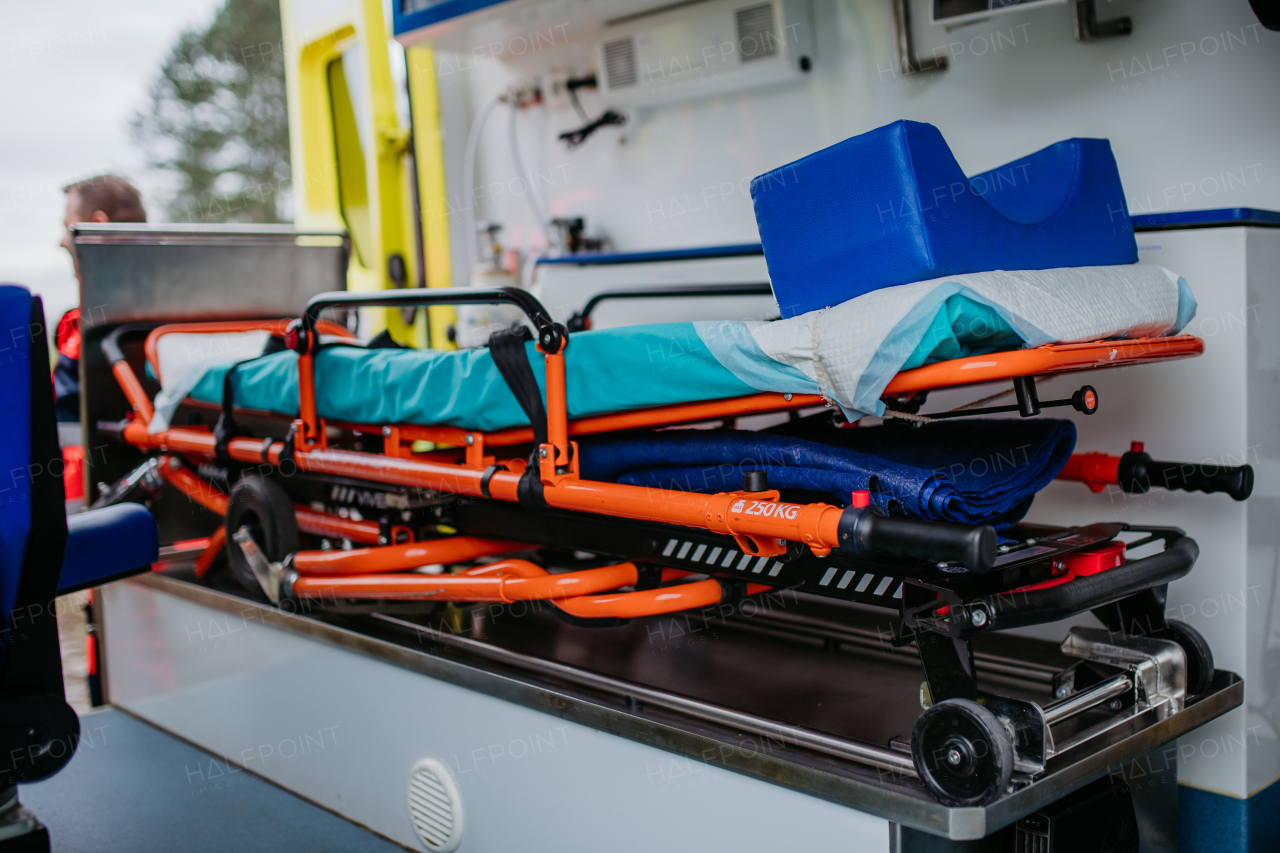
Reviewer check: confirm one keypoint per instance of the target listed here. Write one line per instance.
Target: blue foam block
(893, 206)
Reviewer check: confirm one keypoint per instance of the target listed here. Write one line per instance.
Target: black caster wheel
(1199, 655)
(265, 508)
(962, 752)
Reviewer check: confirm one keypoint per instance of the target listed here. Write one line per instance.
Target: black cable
(574, 138)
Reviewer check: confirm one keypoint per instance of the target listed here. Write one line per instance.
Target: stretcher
(350, 514)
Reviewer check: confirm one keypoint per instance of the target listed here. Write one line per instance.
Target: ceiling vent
(435, 806)
(757, 37)
(620, 62)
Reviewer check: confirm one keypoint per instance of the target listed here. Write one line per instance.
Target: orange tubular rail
(390, 558)
(133, 392)
(275, 327)
(333, 527)
(1053, 358)
(203, 493)
(504, 581)
(650, 602)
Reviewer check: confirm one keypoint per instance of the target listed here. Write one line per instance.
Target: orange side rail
(390, 558)
(309, 520)
(759, 517)
(333, 527)
(275, 327)
(200, 491)
(505, 581)
(1054, 358)
(133, 392)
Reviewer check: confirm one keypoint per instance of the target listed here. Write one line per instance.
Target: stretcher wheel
(962, 752)
(1199, 656)
(265, 508)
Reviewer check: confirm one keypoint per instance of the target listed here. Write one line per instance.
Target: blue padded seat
(893, 206)
(78, 552)
(15, 444)
(106, 543)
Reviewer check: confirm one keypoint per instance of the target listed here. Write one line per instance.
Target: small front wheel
(264, 507)
(962, 752)
(1199, 656)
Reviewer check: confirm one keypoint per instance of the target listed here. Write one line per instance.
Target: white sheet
(850, 352)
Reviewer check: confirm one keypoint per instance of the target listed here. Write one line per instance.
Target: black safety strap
(226, 428)
(507, 348)
(487, 476)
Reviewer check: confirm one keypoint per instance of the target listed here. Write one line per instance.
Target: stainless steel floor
(842, 677)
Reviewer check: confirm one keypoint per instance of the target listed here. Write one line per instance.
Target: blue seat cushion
(893, 206)
(103, 544)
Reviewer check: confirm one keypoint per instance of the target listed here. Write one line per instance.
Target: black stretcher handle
(1138, 473)
(111, 341)
(550, 334)
(1034, 607)
(578, 322)
(864, 533)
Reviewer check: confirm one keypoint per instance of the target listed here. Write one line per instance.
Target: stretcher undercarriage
(599, 553)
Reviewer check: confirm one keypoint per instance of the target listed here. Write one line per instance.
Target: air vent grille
(435, 807)
(620, 63)
(757, 37)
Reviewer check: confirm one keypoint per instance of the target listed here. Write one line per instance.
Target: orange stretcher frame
(369, 573)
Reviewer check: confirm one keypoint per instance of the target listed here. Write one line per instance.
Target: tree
(218, 122)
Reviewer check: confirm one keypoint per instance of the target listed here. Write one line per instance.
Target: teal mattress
(611, 370)
(605, 371)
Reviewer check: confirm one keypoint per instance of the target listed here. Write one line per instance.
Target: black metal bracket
(948, 666)
(1089, 28)
(1029, 404)
(903, 47)
(581, 320)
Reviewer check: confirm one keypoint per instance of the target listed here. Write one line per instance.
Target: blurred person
(102, 198)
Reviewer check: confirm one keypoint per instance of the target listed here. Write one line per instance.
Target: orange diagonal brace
(494, 586)
(390, 558)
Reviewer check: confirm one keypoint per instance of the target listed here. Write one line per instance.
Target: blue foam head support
(893, 206)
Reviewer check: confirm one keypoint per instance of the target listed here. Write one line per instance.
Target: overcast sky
(72, 74)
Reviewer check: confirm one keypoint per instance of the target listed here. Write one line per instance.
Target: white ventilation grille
(620, 62)
(757, 38)
(435, 807)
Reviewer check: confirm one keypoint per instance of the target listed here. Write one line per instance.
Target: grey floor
(132, 787)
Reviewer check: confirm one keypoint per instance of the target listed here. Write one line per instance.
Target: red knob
(1136, 446)
(861, 498)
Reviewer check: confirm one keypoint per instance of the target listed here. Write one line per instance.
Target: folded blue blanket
(968, 472)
